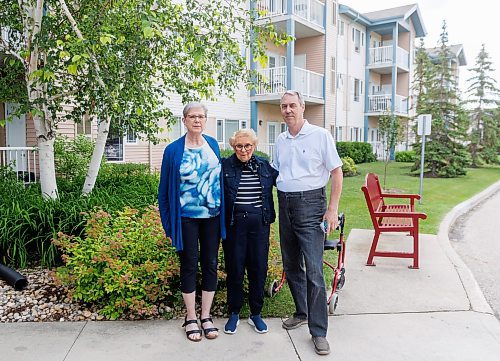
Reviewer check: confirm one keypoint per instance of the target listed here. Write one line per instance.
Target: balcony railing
(382, 103)
(383, 55)
(309, 83)
(21, 160)
(274, 80)
(310, 10)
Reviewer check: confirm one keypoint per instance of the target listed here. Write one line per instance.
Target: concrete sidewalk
(388, 312)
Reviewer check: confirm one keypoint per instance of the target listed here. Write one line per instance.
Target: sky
(470, 23)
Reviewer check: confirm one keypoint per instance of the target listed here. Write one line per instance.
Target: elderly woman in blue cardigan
(190, 198)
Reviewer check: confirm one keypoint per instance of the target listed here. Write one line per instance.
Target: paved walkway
(388, 312)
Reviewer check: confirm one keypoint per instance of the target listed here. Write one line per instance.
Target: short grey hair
(243, 133)
(192, 105)
(293, 92)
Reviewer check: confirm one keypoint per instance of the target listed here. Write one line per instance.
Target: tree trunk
(47, 168)
(43, 127)
(97, 154)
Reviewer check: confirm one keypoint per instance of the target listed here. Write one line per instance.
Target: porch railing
(21, 160)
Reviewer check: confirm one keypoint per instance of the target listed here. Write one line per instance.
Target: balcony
(272, 84)
(309, 15)
(381, 103)
(383, 58)
(23, 161)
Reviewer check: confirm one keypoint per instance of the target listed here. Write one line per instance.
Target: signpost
(424, 122)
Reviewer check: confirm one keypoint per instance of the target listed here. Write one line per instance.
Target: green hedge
(359, 152)
(406, 156)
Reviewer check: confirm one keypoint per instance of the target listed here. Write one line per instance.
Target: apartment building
(350, 67)
(375, 66)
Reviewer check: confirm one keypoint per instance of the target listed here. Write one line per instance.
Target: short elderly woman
(248, 185)
(192, 213)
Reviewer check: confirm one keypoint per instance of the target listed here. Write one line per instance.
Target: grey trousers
(302, 242)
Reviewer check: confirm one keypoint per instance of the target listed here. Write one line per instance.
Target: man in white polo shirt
(306, 158)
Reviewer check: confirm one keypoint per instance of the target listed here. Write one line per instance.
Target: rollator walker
(338, 271)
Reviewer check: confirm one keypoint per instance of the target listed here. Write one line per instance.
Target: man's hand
(332, 218)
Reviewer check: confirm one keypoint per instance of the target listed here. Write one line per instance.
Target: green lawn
(439, 197)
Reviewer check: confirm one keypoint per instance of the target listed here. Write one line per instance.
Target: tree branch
(80, 36)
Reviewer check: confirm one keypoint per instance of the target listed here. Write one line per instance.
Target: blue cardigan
(169, 193)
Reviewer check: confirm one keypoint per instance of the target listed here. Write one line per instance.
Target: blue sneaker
(232, 323)
(258, 324)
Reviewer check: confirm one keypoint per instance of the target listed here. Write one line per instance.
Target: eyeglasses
(247, 146)
(194, 117)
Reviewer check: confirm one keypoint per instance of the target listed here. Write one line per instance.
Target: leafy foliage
(28, 222)
(120, 61)
(124, 263)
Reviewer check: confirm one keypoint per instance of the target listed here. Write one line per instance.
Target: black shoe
(321, 345)
(293, 322)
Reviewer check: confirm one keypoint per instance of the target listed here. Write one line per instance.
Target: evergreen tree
(483, 94)
(445, 152)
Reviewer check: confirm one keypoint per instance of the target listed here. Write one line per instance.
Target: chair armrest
(390, 195)
(401, 214)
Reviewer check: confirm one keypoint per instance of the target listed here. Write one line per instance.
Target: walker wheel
(332, 306)
(271, 289)
(341, 282)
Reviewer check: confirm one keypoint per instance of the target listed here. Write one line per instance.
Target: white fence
(310, 10)
(274, 80)
(22, 160)
(383, 55)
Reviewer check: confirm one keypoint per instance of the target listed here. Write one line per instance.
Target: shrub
(124, 263)
(72, 156)
(406, 156)
(349, 168)
(358, 151)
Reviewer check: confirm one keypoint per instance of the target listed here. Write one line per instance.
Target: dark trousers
(206, 231)
(302, 242)
(246, 246)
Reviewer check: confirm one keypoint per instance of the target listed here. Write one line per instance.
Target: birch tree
(118, 61)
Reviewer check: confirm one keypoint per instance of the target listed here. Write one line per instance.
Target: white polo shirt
(305, 161)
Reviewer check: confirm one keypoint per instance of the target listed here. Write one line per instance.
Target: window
(338, 134)
(113, 150)
(226, 129)
(354, 134)
(131, 136)
(357, 88)
(333, 75)
(356, 39)
(340, 80)
(176, 129)
(334, 14)
(341, 27)
(84, 127)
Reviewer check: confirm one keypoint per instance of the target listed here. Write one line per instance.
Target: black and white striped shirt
(249, 190)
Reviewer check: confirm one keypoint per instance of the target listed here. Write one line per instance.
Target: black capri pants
(206, 231)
